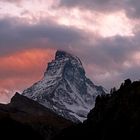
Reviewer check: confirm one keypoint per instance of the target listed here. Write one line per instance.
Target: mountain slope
(30, 119)
(11, 129)
(65, 89)
(115, 117)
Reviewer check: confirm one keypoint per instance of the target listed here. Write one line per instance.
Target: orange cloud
(19, 70)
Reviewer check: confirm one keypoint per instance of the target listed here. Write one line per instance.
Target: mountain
(115, 116)
(24, 118)
(65, 89)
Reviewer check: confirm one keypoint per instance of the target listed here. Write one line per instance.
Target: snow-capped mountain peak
(65, 89)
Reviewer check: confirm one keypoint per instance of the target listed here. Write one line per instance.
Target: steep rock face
(65, 89)
(115, 116)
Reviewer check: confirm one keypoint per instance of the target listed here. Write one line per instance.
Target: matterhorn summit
(65, 89)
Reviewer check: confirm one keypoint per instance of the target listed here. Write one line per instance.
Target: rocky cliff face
(115, 116)
(65, 89)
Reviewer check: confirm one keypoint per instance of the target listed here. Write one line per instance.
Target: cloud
(19, 70)
(97, 5)
(17, 36)
(108, 60)
(103, 57)
(131, 7)
(25, 50)
(23, 63)
(11, 0)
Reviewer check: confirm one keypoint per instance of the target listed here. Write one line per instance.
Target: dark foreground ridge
(115, 116)
(26, 119)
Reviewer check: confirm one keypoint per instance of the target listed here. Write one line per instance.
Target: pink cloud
(19, 70)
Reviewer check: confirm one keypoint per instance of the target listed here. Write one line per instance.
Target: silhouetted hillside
(13, 130)
(115, 116)
(24, 118)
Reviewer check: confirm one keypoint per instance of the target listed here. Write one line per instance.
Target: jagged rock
(115, 116)
(65, 89)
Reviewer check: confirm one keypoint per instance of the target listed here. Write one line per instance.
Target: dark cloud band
(131, 7)
(16, 35)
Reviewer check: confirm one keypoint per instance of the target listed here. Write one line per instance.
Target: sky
(104, 34)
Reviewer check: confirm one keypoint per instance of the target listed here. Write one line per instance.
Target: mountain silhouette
(115, 116)
(27, 118)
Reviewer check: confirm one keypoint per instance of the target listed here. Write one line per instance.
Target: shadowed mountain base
(25, 119)
(115, 116)
(10, 129)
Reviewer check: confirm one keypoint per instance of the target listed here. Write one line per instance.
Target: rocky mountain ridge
(115, 116)
(65, 89)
